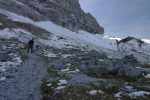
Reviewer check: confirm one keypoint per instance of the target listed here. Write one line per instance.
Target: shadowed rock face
(66, 13)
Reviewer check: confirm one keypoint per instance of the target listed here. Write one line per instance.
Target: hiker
(30, 45)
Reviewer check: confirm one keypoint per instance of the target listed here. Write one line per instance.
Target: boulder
(130, 59)
(109, 67)
(129, 71)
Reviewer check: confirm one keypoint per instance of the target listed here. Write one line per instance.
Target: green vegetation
(44, 87)
(24, 56)
(145, 66)
(52, 71)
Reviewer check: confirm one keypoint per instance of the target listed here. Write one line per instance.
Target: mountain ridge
(66, 13)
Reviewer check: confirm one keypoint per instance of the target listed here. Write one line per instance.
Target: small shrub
(146, 65)
(44, 87)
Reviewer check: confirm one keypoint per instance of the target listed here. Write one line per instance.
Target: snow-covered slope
(64, 38)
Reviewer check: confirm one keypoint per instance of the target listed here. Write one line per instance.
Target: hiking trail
(25, 84)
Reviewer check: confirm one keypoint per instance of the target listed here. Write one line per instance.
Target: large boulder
(129, 71)
(116, 67)
(130, 59)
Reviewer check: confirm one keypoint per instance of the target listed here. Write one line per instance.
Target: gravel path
(25, 85)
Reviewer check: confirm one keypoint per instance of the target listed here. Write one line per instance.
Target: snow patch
(62, 82)
(95, 92)
(118, 95)
(147, 76)
(68, 70)
(66, 55)
(111, 38)
(7, 34)
(146, 40)
(60, 87)
(1, 24)
(138, 67)
(15, 17)
(49, 54)
(138, 94)
(2, 78)
(50, 84)
(15, 62)
(20, 34)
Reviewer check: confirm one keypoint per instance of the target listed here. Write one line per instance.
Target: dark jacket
(31, 43)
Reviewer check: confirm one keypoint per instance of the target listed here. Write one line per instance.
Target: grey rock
(109, 87)
(117, 67)
(127, 89)
(146, 87)
(4, 57)
(130, 59)
(129, 71)
(59, 64)
(66, 13)
(1, 48)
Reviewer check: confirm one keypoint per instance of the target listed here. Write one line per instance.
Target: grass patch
(146, 66)
(44, 87)
(52, 71)
(72, 68)
(140, 88)
(54, 84)
(24, 57)
(125, 78)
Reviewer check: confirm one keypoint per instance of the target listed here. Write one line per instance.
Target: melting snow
(67, 70)
(117, 95)
(138, 67)
(62, 82)
(49, 54)
(95, 92)
(67, 55)
(111, 38)
(7, 34)
(49, 84)
(83, 40)
(15, 62)
(147, 76)
(1, 24)
(15, 17)
(60, 87)
(2, 78)
(138, 94)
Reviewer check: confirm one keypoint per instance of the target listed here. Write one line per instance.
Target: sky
(121, 17)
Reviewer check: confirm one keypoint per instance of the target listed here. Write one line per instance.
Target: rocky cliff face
(66, 13)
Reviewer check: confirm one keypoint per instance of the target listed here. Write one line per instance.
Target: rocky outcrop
(66, 13)
(37, 31)
(98, 64)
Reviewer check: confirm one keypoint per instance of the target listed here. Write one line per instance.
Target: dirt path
(25, 85)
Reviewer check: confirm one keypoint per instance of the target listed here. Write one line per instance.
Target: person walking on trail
(30, 45)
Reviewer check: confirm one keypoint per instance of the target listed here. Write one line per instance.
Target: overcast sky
(121, 16)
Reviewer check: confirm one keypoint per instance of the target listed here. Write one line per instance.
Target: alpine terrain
(72, 58)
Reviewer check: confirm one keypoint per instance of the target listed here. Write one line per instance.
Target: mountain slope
(67, 64)
(66, 13)
(50, 34)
